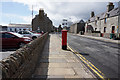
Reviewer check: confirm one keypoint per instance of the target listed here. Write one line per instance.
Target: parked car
(13, 40)
(29, 34)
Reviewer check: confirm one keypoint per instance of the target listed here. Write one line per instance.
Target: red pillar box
(64, 39)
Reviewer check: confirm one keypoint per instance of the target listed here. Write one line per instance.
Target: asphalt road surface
(104, 55)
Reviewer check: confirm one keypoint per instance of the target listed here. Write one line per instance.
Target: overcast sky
(20, 11)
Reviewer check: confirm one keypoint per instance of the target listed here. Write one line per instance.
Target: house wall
(43, 22)
(77, 27)
(100, 24)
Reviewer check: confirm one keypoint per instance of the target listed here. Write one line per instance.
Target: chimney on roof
(41, 12)
(110, 6)
(92, 14)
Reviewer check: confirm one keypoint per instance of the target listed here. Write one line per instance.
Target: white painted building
(106, 22)
(19, 27)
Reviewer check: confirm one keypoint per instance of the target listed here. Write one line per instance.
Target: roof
(113, 12)
(19, 25)
(81, 21)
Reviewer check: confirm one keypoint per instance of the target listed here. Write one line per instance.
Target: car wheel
(21, 44)
(34, 37)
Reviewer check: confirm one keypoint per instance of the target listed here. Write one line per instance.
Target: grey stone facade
(77, 27)
(42, 22)
(106, 22)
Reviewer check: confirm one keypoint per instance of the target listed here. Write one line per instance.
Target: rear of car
(29, 34)
(13, 40)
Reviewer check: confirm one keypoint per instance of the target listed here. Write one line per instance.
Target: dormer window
(88, 20)
(108, 15)
(98, 18)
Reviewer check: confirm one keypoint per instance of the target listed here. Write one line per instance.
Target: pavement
(100, 38)
(6, 52)
(55, 63)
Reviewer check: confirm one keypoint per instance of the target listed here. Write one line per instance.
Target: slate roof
(113, 12)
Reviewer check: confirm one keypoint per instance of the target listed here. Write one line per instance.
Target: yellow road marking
(91, 64)
(84, 60)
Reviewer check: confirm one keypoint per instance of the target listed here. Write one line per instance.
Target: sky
(20, 11)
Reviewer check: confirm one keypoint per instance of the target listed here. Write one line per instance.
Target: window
(15, 30)
(104, 29)
(10, 29)
(95, 29)
(105, 20)
(95, 22)
(25, 32)
(98, 18)
(108, 15)
(6, 35)
(20, 32)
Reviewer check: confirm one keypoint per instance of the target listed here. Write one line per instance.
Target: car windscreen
(19, 35)
(30, 32)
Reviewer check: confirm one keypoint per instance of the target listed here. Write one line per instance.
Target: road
(103, 55)
(6, 52)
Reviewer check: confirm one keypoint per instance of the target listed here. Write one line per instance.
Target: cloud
(26, 19)
(59, 9)
(3, 24)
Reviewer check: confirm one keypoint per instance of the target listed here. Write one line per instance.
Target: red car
(13, 40)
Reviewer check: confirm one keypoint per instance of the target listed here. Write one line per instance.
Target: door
(9, 40)
(113, 29)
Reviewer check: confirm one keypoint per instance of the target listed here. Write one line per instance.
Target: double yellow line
(89, 64)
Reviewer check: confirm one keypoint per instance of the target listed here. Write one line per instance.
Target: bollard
(64, 39)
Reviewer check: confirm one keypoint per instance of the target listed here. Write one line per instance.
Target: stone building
(77, 27)
(42, 22)
(59, 29)
(106, 22)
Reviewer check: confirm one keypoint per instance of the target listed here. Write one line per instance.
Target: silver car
(29, 34)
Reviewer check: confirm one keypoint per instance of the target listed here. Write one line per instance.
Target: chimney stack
(110, 6)
(92, 14)
(41, 12)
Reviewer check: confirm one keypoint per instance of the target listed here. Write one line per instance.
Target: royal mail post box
(64, 39)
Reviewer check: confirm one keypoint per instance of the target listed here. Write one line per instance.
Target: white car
(29, 34)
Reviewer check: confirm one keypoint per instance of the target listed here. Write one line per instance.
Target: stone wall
(105, 35)
(21, 64)
(93, 34)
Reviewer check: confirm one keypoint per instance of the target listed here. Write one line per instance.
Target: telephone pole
(32, 11)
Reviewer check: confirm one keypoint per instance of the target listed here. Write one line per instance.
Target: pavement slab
(61, 64)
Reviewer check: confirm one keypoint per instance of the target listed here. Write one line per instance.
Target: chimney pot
(92, 14)
(110, 6)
